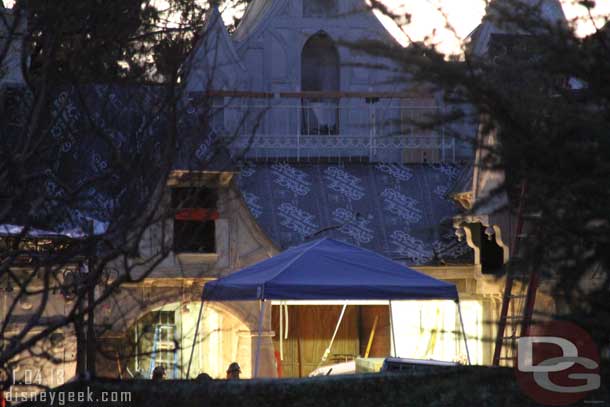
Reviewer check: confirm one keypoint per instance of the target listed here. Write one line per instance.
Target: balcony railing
(306, 125)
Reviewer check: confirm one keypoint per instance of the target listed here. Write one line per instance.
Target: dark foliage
(542, 91)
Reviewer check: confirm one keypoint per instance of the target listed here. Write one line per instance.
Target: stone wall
(180, 278)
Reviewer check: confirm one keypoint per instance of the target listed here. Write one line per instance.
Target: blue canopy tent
(327, 269)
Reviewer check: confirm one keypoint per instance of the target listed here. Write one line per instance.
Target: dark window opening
(194, 237)
(194, 220)
(320, 72)
(492, 255)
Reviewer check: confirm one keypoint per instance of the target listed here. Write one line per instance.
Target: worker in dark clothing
(233, 371)
(158, 373)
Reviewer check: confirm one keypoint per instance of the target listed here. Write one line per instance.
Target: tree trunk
(81, 344)
(91, 337)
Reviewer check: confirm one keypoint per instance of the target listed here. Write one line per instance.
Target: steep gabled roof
(259, 13)
(551, 12)
(217, 31)
(214, 50)
(254, 15)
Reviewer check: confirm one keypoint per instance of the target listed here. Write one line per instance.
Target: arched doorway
(163, 337)
(320, 72)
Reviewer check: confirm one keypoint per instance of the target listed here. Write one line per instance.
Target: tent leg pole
(286, 318)
(258, 341)
(392, 329)
(281, 331)
(463, 331)
(188, 370)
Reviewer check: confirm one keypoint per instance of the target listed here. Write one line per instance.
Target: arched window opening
(164, 337)
(320, 72)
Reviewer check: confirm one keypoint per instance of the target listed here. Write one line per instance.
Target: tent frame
(261, 316)
(324, 270)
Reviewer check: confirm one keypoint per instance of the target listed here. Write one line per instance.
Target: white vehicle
(402, 364)
(336, 369)
(371, 365)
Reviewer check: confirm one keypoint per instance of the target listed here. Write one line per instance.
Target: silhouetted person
(158, 373)
(233, 371)
(203, 377)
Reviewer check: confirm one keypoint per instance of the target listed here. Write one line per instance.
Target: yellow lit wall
(431, 330)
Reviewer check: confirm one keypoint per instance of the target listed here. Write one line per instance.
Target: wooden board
(381, 342)
(311, 328)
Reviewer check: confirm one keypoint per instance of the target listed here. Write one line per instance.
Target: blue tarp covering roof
(400, 211)
(327, 269)
(101, 153)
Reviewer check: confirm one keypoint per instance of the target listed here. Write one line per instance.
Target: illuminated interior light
(431, 330)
